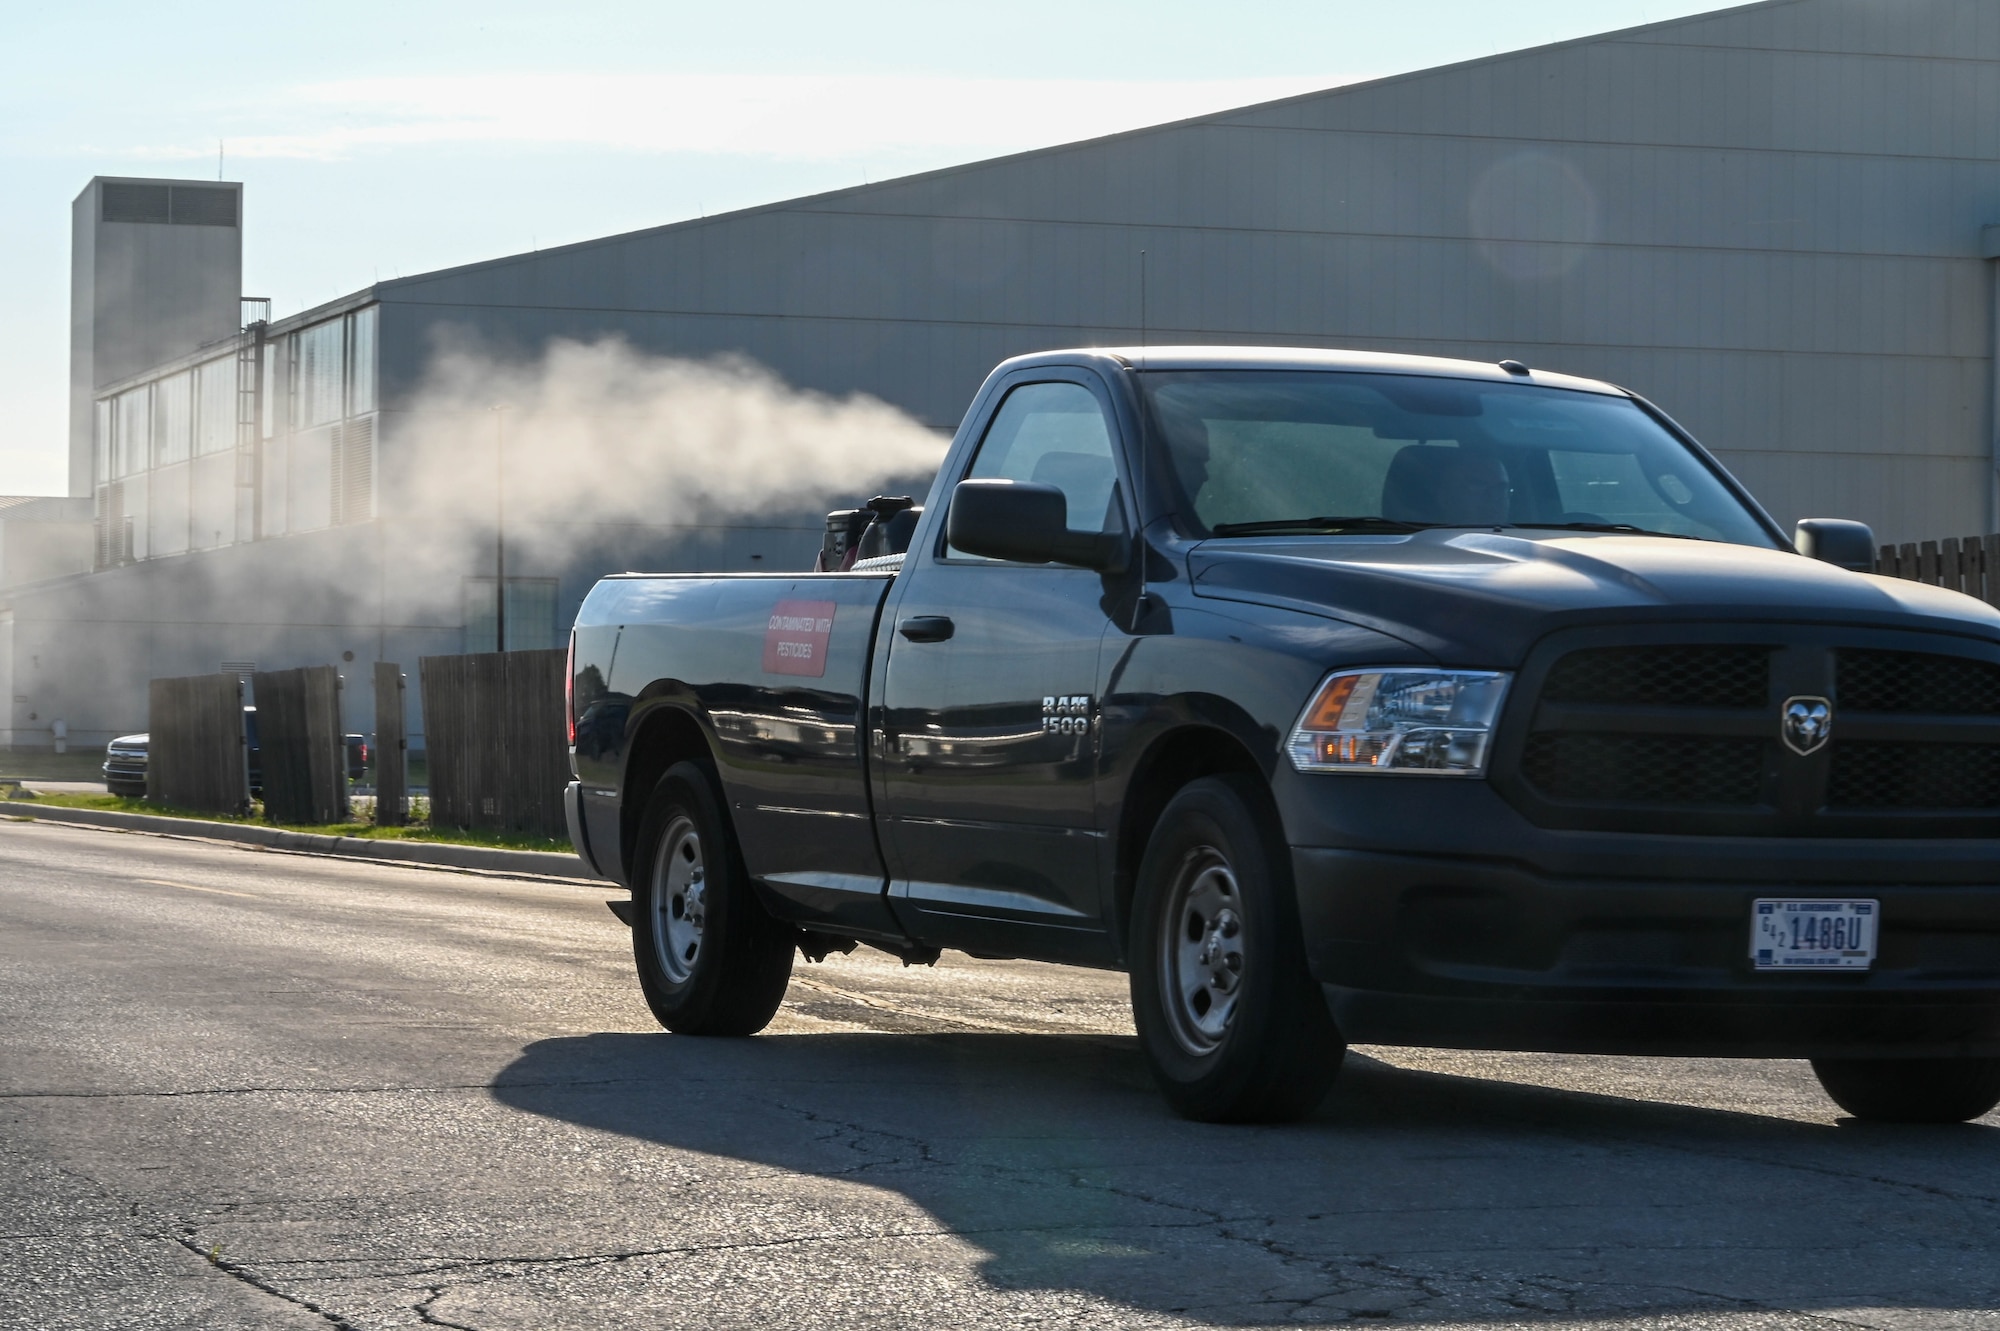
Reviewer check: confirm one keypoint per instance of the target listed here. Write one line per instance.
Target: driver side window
(1055, 434)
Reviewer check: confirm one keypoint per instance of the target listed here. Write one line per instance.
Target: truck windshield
(1277, 452)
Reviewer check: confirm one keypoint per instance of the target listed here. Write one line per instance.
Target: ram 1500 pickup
(1335, 697)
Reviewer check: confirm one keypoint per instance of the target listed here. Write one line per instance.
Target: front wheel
(711, 960)
(1911, 1090)
(1233, 1025)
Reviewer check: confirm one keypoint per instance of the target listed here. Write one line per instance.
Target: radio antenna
(1145, 448)
(1142, 298)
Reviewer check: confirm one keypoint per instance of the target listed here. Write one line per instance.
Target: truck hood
(1482, 598)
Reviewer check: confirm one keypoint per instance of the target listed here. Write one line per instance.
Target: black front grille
(1873, 681)
(1914, 776)
(1700, 675)
(1676, 770)
(1687, 737)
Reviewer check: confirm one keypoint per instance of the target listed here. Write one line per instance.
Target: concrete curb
(431, 854)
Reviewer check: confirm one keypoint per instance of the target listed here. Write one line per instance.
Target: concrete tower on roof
(156, 269)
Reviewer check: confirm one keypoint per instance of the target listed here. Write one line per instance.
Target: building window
(318, 375)
(100, 466)
(173, 418)
(215, 406)
(531, 614)
(132, 431)
(354, 471)
(361, 362)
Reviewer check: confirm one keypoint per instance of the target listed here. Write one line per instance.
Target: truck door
(988, 729)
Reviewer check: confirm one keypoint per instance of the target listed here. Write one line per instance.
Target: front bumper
(124, 773)
(1473, 952)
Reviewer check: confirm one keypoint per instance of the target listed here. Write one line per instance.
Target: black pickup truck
(1336, 697)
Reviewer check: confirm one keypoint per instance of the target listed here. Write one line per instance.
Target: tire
(1911, 1090)
(711, 960)
(1235, 1029)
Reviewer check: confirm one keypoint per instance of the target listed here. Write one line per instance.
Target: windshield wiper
(1625, 527)
(1329, 525)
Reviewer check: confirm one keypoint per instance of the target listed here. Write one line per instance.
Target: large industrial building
(1773, 220)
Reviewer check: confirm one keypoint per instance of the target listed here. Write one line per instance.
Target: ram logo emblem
(1806, 724)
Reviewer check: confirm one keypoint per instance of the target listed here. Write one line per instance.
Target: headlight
(1438, 722)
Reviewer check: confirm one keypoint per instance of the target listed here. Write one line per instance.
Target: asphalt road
(243, 1089)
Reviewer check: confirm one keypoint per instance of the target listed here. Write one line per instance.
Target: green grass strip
(367, 831)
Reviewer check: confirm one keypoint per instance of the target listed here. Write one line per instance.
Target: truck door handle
(926, 628)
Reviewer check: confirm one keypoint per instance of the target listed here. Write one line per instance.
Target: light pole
(499, 527)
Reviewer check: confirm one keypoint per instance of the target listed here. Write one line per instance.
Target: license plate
(1793, 933)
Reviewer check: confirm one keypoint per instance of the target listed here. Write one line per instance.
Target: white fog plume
(601, 439)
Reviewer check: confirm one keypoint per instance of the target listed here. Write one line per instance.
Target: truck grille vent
(1914, 776)
(1685, 676)
(1646, 769)
(1871, 681)
(1680, 738)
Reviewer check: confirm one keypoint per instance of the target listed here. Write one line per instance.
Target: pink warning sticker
(795, 641)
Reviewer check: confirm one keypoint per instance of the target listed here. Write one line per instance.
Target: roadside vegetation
(81, 764)
(418, 829)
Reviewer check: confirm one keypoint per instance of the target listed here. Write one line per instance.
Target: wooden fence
(303, 746)
(1969, 564)
(392, 772)
(195, 756)
(496, 738)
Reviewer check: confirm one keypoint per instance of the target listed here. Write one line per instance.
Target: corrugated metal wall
(1766, 219)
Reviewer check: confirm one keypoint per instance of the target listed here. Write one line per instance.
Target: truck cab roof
(1311, 358)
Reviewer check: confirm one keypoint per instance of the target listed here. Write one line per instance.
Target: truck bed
(777, 666)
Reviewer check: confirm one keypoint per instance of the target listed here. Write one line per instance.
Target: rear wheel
(1912, 1090)
(1233, 1025)
(711, 960)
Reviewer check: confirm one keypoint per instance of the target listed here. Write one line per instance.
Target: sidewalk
(567, 868)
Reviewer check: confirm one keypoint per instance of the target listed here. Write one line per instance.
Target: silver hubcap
(1201, 951)
(680, 907)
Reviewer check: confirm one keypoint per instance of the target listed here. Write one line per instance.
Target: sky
(376, 140)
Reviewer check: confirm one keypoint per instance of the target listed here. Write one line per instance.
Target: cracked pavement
(241, 1089)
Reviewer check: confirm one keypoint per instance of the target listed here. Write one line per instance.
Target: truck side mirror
(1026, 523)
(1838, 541)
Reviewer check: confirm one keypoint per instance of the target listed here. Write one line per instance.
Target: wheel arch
(666, 735)
(1169, 763)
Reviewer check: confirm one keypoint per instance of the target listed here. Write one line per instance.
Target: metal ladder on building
(249, 403)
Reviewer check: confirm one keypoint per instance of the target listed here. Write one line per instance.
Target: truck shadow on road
(1410, 1195)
